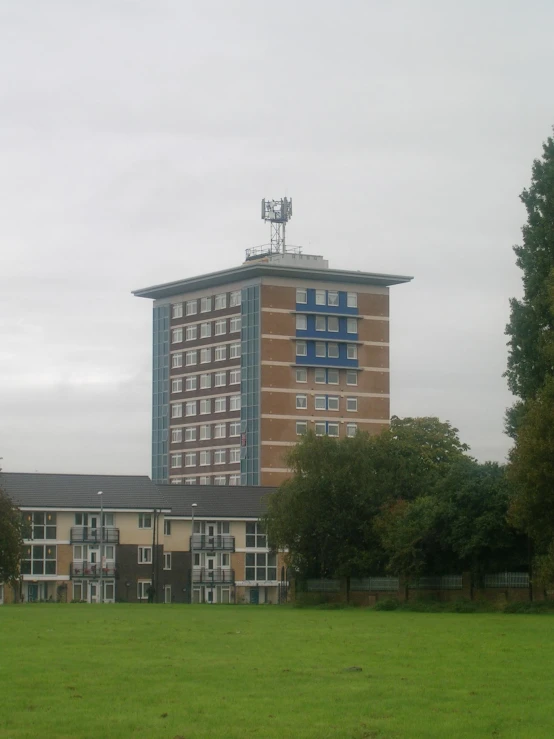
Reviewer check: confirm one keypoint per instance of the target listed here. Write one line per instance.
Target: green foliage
(539, 606)
(531, 327)
(11, 539)
(390, 604)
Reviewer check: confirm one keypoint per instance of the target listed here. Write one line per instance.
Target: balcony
(217, 543)
(88, 569)
(91, 535)
(216, 576)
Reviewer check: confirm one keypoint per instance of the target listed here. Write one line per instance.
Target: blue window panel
(160, 394)
(313, 361)
(311, 332)
(311, 307)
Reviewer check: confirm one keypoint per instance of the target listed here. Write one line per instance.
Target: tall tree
(11, 539)
(531, 327)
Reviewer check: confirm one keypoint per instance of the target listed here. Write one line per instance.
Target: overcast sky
(138, 137)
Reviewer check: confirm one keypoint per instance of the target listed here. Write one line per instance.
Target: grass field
(167, 672)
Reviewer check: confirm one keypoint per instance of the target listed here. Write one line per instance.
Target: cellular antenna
(277, 213)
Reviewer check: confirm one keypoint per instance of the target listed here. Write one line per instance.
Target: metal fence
(374, 583)
(507, 580)
(323, 586)
(437, 582)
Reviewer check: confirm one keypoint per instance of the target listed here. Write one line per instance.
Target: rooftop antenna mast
(278, 213)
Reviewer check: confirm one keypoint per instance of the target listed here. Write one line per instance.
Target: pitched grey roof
(81, 491)
(216, 501)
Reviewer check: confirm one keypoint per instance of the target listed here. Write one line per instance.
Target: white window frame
(333, 351)
(191, 333)
(176, 436)
(351, 326)
(301, 374)
(301, 349)
(190, 408)
(177, 410)
(205, 355)
(176, 461)
(191, 307)
(333, 430)
(220, 353)
(220, 456)
(220, 480)
(234, 298)
(234, 377)
(206, 304)
(319, 373)
(220, 301)
(320, 297)
(333, 298)
(205, 406)
(205, 480)
(144, 555)
(177, 360)
(351, 429)
(333, 373)
(351, 351)
(234, 350)
(301, 428)
(234, 455)
(167, 560)
(190, 433)
(205, 330)
(190, 460)
(234, 403)
(145, 520)
(352, 405)
(234, 429)
(205, 458)
(301, 402)
(320, 349)
(301, 295)
(176, 335)
(332, 402)
(177, 385)
(220, 405)
(177, 310)
(191, 358)
(349, 375)
(320, 403)
(191, 383)
(234, 480)
(301, 322)
(220, 327)
(234, 325)
(332, 324)
(219, 431)
(220, 379)
(142, 589)
(205, 381)
(320, 323)
(190, 480)
(205, 432)
(352, 300)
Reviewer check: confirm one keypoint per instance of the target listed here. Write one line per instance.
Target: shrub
(305, 600)
(391, 604)
(540, 606)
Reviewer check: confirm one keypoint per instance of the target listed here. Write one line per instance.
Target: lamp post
(101, 494)
(193, 506)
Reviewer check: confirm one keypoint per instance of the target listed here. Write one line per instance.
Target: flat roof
(251, 270)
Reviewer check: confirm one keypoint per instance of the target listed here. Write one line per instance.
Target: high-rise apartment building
(247, 359)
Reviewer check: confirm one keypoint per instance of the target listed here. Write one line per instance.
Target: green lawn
(167, 672)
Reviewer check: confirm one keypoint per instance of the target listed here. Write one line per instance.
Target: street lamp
(193, 506)
(101, 494)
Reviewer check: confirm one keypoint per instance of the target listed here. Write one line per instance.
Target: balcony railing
(213, 577)
(87, 569)
(217, 543)
(92, 535)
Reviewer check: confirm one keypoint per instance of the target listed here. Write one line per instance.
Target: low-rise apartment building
(107, 538)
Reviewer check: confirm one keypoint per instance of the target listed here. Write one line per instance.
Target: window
(333, 377)
(301, 375)
(176, 480)
(220, 353)
(205, 458)
(301, 349)
(234, 298)
(205, 381)
(351, 378)
(205, 406)
(191, 333)
(352, 300)
(143, 586)
(332, 429)
(255, 536)
(176, 410)
(219, 431)
(191, 358)
(145, 520)
(234, 428)
(320, 403)
(144, 555)
(205, 480)
(319, 349)
(220, 456)
(333, 298)
(234, 455)
(205, 356)
(176, 460)
(320, 324)
(333, 351)
(38, 560)
(190, 433)
(40, 526)
(351, 326)
(320, 297)
(176, 436)
(167, 527)
(351, 404)
(192, 307)
(177, 360)
(301, 427)
(177, 310)
(205, 432)
(333, 324)
(167, 560)
(176, 335)
(205, 305)
(351, 429)
(352, 351)
(260, 566)
(190, 480)
(220, 327)
(320, 376)
(190, 383)
(234, 479)
(302, 402)
(234, 377)
(220, 405)
(220, 480)
(234, 351)
(234, 403)
(320, 428)
(220, 301)
(301, 296)
(205, 330)
(219, 379)
(301, 322)
(332, 403)
(190, 459)
(176, 386)
(234, 324)
(190, 408)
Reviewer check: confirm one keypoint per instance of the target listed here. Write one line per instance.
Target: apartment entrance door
(94, 592)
